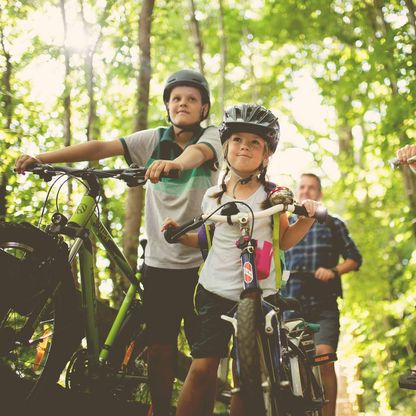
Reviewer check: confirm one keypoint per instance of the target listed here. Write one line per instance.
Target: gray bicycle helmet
(187, 77)
(251, 118)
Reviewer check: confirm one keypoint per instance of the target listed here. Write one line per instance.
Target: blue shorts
(215, 333)
(168, 298)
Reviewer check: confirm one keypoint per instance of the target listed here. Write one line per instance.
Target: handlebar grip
(321, 214)
(172, 234)
(36, 167)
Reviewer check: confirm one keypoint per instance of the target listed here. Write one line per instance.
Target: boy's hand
(24, 161)
(161, 166)
(168, 223)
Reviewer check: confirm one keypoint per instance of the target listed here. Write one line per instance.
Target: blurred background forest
(340, 74)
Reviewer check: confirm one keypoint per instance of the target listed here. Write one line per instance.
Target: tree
(135, 196)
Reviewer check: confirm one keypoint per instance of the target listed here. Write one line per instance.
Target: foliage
(359, 54)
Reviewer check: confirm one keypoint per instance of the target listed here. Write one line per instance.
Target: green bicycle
(43, 318)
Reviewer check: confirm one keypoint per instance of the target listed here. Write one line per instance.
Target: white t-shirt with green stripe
(179, 199)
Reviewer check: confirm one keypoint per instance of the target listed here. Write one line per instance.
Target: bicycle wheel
(37, 302)
(249, 354)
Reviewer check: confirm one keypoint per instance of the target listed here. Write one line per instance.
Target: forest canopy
(340, 74)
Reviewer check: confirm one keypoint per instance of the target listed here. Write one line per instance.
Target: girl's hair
(261, 177)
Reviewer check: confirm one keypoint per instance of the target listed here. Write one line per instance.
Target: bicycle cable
(72, 176)
(69, 176)
(42, 213)
(236, 202)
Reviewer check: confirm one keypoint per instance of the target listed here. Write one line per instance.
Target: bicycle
(277, 368)
(42, 316)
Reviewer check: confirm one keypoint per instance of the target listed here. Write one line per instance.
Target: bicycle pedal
(324, 358)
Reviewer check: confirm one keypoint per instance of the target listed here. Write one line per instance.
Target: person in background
(315, 279)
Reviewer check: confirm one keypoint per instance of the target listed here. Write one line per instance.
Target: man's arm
(348, 250)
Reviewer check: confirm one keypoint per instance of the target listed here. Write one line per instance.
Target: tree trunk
(7, 104)
(66, 98)
(67, 86)
(196, 36)
(223, 49)
(118, 285)
(135, 196)
(92, 129)
(346, 140)
(411, 14)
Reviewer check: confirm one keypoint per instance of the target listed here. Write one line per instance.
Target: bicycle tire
(248, 313)
(37, 287)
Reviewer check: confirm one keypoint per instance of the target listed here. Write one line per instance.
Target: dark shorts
(168, 298)
(215, 332)
(322, 310)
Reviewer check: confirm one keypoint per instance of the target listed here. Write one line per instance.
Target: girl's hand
(24, 161)
(168, 223)
(161, 166)
(311, 206)
(406, 153)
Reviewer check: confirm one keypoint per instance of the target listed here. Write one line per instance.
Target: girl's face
(185, 105)
(246, 152)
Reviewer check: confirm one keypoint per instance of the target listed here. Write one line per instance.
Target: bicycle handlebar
(172, 234)
(132, 176)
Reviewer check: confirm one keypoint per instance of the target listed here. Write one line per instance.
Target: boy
(170, 273)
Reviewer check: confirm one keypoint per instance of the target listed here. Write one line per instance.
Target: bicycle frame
(250, 284)
(85, 221)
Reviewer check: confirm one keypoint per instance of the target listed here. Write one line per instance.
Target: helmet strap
(243, 180)
(191, 127)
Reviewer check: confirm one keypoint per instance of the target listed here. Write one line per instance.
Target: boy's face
(246, 152)
(308, 189)
(185, 105)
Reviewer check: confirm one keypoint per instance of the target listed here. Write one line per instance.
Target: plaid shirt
(319, 248)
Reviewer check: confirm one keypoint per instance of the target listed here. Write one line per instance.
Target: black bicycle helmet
(251, 118)
(187, 77)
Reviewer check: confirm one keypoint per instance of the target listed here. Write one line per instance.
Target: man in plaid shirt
(315, 280)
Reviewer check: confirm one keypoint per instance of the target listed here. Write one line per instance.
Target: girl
(249, 134)
(170, 273)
